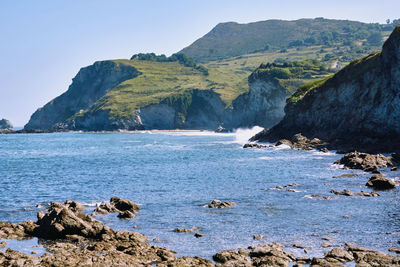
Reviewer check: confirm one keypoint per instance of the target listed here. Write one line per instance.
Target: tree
(375, 38)
(388, 21)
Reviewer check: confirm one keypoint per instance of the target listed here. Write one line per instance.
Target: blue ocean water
(173, 174)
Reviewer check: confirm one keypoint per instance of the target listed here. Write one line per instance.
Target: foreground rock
(126, 209)
(255, 146)
(364, 161)
(218, 204)
(379, 182)
(80, 240)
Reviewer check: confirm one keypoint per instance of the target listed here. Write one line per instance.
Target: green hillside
(232, 39)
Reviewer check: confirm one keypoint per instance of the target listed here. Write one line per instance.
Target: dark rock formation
(255, 146)
(379, 182)
(364, 161)
(356, 109)
(218, 204)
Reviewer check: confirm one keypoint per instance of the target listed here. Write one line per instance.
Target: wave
(242, 135)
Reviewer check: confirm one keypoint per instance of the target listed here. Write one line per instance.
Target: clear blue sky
(44, 43)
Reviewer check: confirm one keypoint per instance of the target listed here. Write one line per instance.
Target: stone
(255, 146)
(339, 255)
(347, 192)
(74, 205)
(258, 237)
(380, 182)
(394, 168)
(364, 161)
(395, 250)
(182, 230)
(198, 235)
(346, 175)
(126, 209)
(217, 204)
(326, 245)
(3, 244)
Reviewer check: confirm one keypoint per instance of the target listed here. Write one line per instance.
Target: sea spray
(242, 135)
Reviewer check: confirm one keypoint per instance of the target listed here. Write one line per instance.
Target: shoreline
(72, 237)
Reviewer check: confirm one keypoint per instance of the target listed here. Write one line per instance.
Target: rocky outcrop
(364, 161)
(5, 125)
(89, 85)
(379, 182)
(356, 109)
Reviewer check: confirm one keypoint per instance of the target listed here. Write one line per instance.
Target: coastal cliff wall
(357, 108)
(88, 86)
(191, 109)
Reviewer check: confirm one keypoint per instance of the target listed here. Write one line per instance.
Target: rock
(394, 168)
(339, 255)
(347, 192)
(74, 205)
(255, 146)
(395, 250)
(61, 221)
(258, 237)
(217, 204)
(3, 244)
(198, 235)
(324, 150)
(270, 255)
(380, 182)
(231, 258)
(303, 260)
(5, 125)
(298, 246)
(126, 214)
(156, 239)
(326, 245)
(364, 161)
(126, 209)
(182, 230)
(284, 142)
(346, 175)
(346, 216)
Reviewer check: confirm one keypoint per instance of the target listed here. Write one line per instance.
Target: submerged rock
(218, 204)
(298, 141)
(380, 182)
(364, 161)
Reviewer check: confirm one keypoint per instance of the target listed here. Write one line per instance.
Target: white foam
(242, 135)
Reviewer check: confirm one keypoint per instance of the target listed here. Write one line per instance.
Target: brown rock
(217, 204)
(339, 255)
(364, 161)
(258, 237)
(380, 182)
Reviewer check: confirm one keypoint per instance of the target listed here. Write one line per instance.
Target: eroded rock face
(356, 109)
(364, 161)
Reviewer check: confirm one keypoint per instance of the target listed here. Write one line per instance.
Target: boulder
(339, 255)
(218, 204)
(255, 146)
(364, 161)
(380, 182)
(347, 192)
(61, 221)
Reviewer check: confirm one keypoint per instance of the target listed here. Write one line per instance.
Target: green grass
(305, 88)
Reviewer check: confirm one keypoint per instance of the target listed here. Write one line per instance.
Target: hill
(232, 39)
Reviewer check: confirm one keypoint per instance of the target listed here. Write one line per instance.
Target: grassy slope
(233, 39)
(160, 80)
(229, 78)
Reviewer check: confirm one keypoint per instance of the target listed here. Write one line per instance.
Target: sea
(172, 175)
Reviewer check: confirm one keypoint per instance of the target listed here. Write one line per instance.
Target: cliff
(157, 92)
(89, 85)
(356, 109)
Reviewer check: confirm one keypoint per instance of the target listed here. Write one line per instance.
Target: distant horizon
(48, 42)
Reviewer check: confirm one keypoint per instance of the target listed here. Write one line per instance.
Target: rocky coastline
(73, 238)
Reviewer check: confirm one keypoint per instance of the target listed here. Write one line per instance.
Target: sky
(44, 43)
